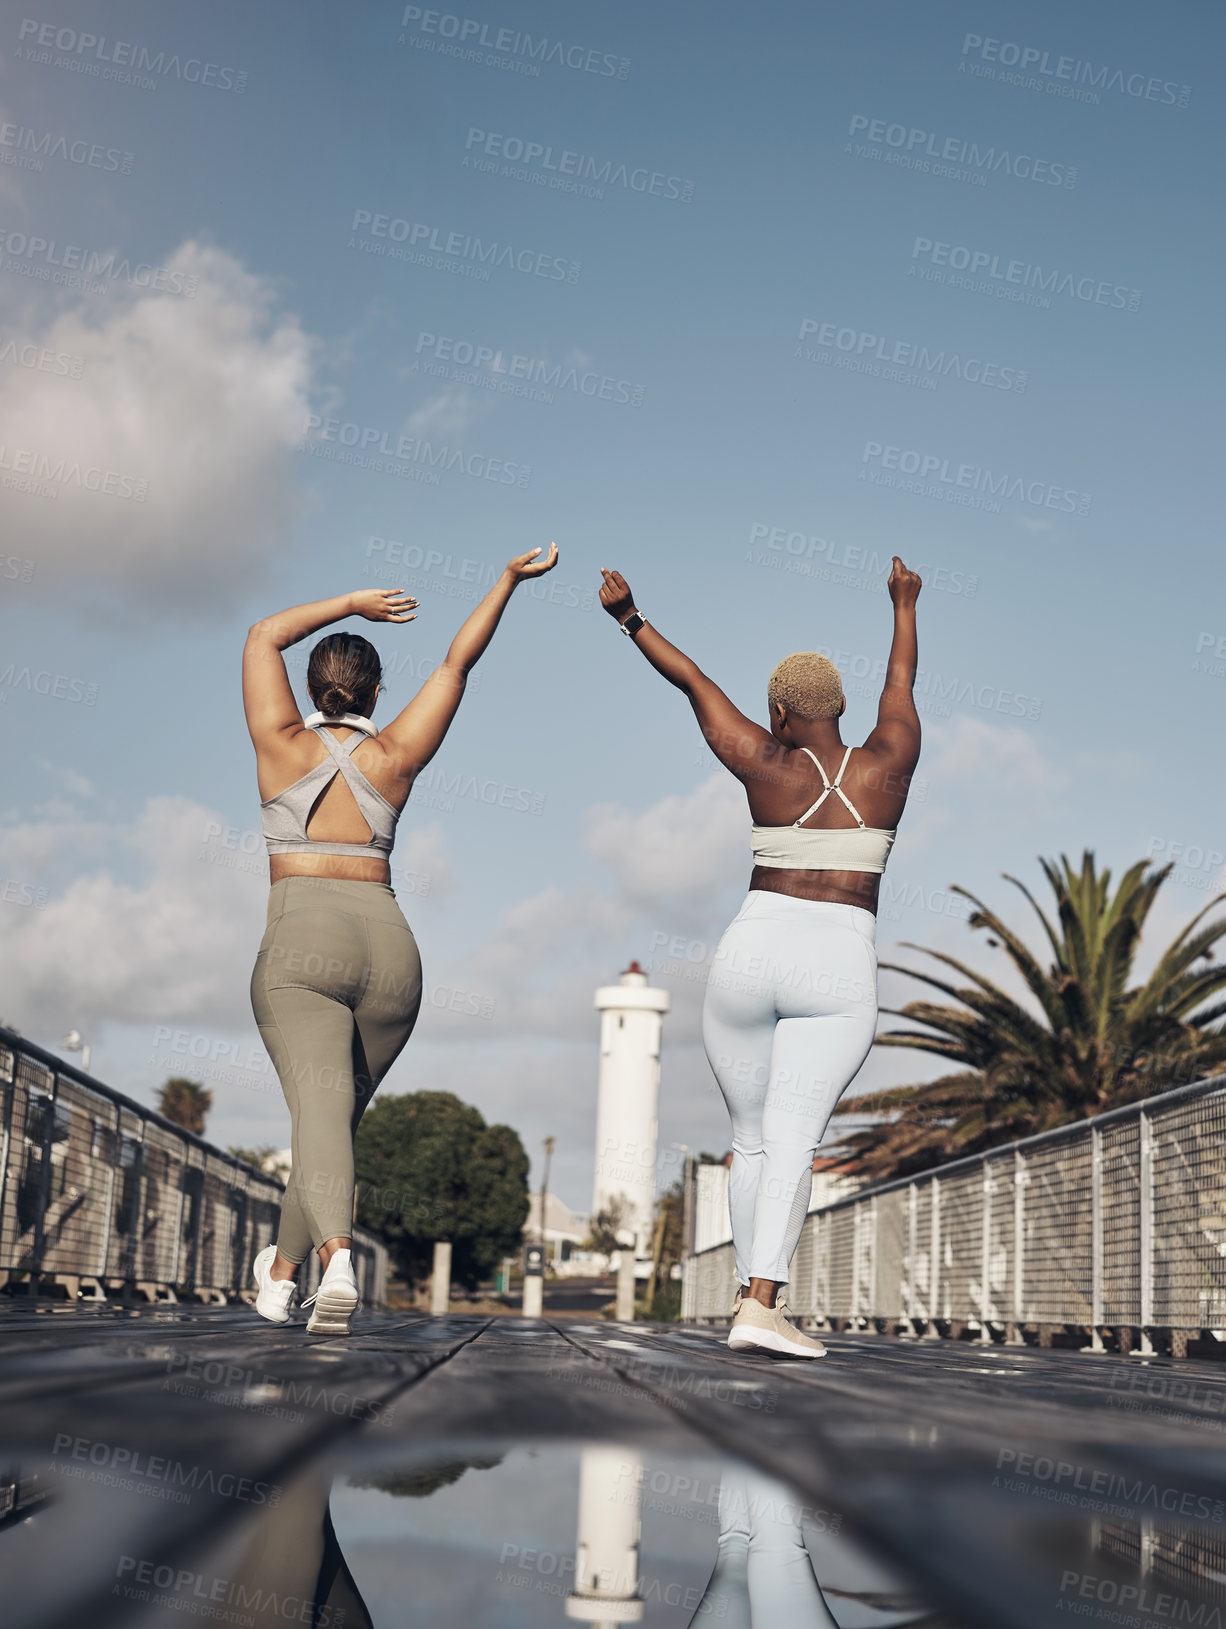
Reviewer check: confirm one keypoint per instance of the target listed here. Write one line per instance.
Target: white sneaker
(276, 1295)
(336, 1299)
(765, 1329)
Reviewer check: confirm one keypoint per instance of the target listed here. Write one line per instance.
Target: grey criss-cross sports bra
(285, 816)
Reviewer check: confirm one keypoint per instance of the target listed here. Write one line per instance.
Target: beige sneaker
(765, 1329)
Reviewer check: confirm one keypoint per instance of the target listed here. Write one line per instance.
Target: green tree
(428, 1168)
(252, 1156)
(185, 1102)
(420, 1481)
(607, 1225)
(1087, 1039)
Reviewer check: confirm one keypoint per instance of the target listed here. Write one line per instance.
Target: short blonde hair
(807, 685)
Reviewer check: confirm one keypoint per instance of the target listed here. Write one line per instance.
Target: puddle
(526, 1534)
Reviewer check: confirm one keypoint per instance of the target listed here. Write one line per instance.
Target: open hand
(904, 586)
(527, 565)
(615, 596)
(384, 605)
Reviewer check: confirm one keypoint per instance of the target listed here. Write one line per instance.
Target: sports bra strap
(340, 749)
(834, 786)
(826, 782)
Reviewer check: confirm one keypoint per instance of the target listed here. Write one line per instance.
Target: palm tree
(185, 1102)
(1095, 1041)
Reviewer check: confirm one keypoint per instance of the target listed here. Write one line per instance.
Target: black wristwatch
(633, 623)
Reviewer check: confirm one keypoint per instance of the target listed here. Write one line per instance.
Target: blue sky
(768, 374)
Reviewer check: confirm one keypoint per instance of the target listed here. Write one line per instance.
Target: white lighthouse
(631, 1019)
(606, 1588)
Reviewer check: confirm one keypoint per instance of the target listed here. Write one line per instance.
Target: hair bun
(343, 675)
(336, 700)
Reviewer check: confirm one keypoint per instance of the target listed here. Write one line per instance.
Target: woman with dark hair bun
(337, 981)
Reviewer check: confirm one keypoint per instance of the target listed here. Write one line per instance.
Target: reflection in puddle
(553, 1534)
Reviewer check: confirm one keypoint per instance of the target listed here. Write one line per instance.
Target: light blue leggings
(789, 1017)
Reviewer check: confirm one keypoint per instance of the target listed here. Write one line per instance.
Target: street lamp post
(687, 1197)
(72, 1042)
(548, 1146)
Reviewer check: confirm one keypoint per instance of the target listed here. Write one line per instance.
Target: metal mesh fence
(1056, 1286)
(94, 1186)
(922, 1265)
(76, 1221)
(1121, 1181)
(999, 1255)
(1189, 1202)
(1111, 1225)
(891, 1228)
(961, 1243)
(840, 1260)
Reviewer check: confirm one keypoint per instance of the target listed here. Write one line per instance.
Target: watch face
(633, 623)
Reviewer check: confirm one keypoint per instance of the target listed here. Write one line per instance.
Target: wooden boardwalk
(1003, 1486)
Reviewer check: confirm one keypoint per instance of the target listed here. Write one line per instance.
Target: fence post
(440, 1279)
(1021, 1181)
(985, 1259)
(625, 1286)
(1096, 1238)
(909, 1259)
(1146, 1201)
(934, 1276)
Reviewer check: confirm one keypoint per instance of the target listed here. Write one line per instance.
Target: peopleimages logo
(471, 39)
(1065, 73)
(74, 266)
(27, 148)
(871, 349)
(973, 478)
(121, 60)
(369, 446)
(531, 371)
(1023, 274)
(68, 472)
(26, 354)
(419, 243)
(958, 151)
(549, 165)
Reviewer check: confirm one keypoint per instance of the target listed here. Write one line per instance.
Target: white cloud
(174, 948)
(449, 413)
(1000, 756)
(678, 853)
(203, 398)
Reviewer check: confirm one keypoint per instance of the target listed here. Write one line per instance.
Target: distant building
(711, 1224)
(565, 1231)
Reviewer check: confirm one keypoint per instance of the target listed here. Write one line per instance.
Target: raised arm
(742, 746)
(417, 732)
(268, 696)
(897, 734)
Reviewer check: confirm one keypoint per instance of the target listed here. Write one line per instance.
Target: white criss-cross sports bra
(287, 814)
(800, 848)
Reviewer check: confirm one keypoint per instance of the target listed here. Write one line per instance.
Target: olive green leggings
(335, 991)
